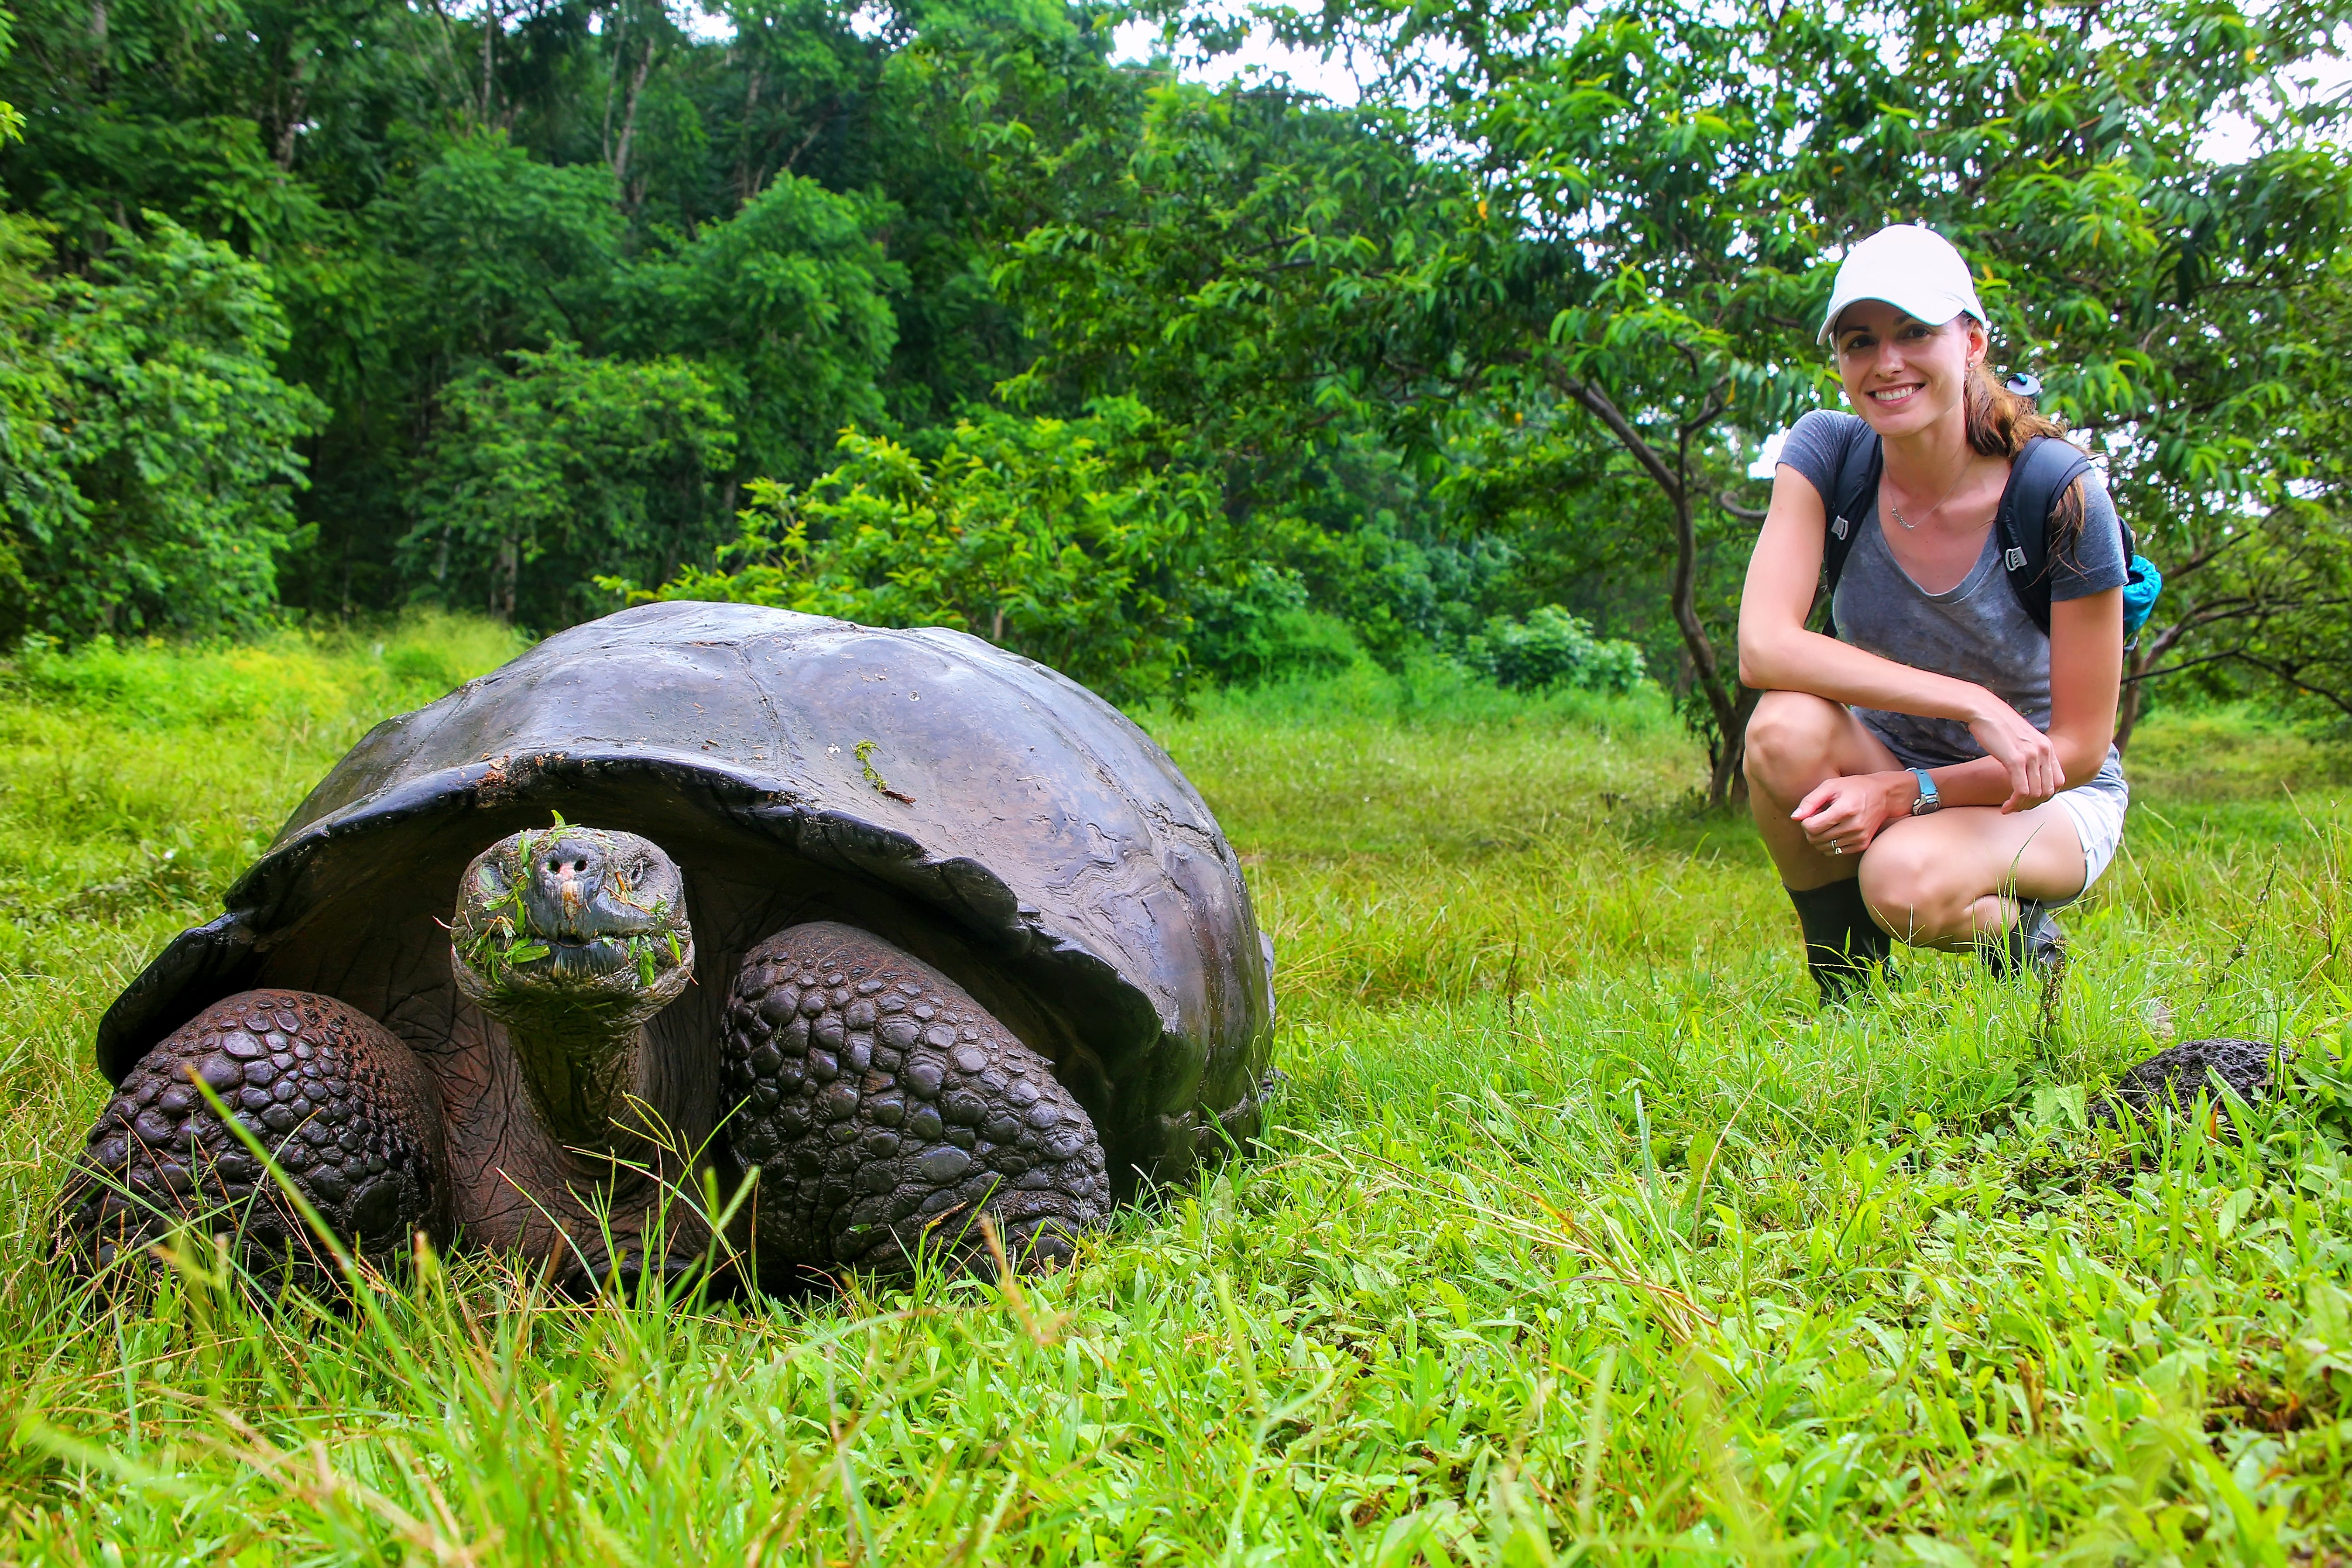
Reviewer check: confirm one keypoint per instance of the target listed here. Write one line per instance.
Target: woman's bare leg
(1796, 741)
(1954, 879)
(1950, 880)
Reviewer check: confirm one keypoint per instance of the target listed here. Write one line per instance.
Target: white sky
(1259, 59)
(2232, 139)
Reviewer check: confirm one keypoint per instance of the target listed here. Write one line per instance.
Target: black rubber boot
(2033, 944)
(1843, 944)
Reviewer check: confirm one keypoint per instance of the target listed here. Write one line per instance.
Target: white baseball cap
(1912, 269)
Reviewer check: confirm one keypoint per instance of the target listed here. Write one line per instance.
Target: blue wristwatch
(1928, 802)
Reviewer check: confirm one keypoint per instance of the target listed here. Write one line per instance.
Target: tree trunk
(489, 59)
(1726, 782)
(288, 129)
(504, 587)
(629, 119)
(743, 187)
(2137, 664)
(2127, 708)
(1729, 704)
(97, 31)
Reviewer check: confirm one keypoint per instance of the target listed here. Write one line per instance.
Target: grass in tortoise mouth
(503, 945)
(501, 949)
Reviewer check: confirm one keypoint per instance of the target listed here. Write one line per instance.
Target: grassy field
(1581, 1238)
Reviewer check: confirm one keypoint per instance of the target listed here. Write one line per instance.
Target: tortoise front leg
(339, 1102)
(886, 1111)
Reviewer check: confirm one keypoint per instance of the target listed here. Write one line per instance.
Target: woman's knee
(1790, 738)
(1913, 889)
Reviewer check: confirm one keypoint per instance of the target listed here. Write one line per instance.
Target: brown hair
(2000, 423)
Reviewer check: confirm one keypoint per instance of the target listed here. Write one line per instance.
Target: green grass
(1582, 1237)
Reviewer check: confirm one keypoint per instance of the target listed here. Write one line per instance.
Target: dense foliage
(939, 311)
(1057, 538)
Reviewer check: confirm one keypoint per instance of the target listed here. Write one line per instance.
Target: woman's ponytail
(2000, 423)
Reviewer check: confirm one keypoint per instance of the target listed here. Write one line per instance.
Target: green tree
(2259, 595)
(433, 188)
(1682, 180)
(12, 123)
(786, 306)
(565, 466)
(29, 482)
(1074, 542)
(504, 252)
(1287, 284)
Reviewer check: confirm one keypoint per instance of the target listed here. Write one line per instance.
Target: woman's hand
(2035, 770)
(1841, 816)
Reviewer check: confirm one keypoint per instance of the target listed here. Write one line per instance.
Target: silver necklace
(1909, 526)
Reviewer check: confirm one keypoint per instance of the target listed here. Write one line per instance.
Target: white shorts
(2097, 810)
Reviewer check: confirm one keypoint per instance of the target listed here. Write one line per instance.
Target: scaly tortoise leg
(342, 1105)
(886, 1111)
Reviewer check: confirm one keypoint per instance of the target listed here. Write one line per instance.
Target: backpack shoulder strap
(1849, 506)
(2036, 479)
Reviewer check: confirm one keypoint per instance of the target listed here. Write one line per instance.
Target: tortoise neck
(587, 1071)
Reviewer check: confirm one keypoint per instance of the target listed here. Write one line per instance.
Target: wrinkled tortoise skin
(883, 1107)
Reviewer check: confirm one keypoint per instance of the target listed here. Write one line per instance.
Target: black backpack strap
(1849, 507)
(2036, 479)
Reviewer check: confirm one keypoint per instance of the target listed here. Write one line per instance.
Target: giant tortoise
(913, 930)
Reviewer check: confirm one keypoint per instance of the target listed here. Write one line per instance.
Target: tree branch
(1595, 401)
(1744, 513)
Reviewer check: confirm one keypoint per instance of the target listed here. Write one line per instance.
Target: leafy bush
(1264, 627)
(148, 444)
(516, 252)
(1062, 540)
(1553, 647)
(786, 307)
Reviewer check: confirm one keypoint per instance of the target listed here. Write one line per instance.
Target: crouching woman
(1940, 769)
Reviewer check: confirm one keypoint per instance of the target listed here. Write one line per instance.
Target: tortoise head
(572, 937)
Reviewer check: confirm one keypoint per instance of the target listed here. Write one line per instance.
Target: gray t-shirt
(1977, 631)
